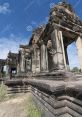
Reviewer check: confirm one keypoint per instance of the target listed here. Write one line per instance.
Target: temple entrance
(13, 72)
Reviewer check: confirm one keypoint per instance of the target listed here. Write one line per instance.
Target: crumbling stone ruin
(43, 64)
(47, 48)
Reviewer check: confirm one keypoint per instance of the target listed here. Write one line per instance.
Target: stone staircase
(17, 89)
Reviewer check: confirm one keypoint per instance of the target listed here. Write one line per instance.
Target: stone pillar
(36, 60)
(44, 58)
(33, 61)
(7, 70)
(58, 52)
(28, 65)
(22, 63)
(66, 56)
(25, 66)
(79, 49)
(1, 71)
(18, 68)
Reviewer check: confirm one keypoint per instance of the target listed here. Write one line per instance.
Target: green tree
(75, 69)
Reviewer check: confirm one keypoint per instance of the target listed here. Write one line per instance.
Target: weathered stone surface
(79, 49)
(58, 97)
(55, 98)
(57, 91)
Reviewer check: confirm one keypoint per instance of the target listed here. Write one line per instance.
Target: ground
(15, 107)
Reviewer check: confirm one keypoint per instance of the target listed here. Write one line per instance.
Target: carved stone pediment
(64, 15)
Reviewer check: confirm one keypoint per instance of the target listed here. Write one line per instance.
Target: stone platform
(56, 98)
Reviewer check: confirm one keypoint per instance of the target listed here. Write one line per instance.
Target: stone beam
(58, 26)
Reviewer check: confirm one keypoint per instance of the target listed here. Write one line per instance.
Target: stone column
(25, 66)
(2, 69)
(7, 70)
(28, 65)
(33, 61)
(79, 49)
(22, 63)
(66, 55)
(44, 58)
(18, 68)
(67, 60)
(58, 52)
(37, 60)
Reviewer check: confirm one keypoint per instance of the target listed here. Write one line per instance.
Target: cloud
(52, 5)
(4, 8)
(10, 44)
(29, 5)
(35, 2)
(6, 29)
(29, 28)
(34, 23)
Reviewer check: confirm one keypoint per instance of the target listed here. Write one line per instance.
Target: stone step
(12, 90)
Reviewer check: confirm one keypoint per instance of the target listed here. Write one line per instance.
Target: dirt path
(15, 107)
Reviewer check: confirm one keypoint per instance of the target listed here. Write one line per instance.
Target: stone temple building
(47, 48)
(43, 64)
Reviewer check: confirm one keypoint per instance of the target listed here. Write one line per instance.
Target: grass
(33, 110)
(3, 92)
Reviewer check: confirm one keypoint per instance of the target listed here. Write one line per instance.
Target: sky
(18, 18)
